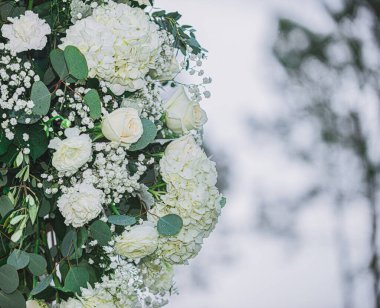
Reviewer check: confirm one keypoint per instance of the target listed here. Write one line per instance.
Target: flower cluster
(191, 193)
(104, 185)
(110, 33)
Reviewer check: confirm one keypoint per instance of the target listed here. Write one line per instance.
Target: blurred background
(294, 124)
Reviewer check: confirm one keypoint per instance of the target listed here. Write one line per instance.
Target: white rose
(183, 114)
(26, 32)
(123, 126)
(71, 303)
(36, 304)
(139, 242)
(71, 153)
(81, 204)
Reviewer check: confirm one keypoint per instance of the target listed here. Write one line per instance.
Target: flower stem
(114, 209)
(36, 248)
(30, 5)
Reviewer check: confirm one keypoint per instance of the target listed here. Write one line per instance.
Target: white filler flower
(71, 153)
(81, 204)
(26, 32)
(139, 242)
(120, 44)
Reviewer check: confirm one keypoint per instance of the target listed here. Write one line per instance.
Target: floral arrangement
(104, 185)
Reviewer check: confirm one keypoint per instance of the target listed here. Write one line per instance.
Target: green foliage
(184, 35)
(92, 100)
(76, 278)
(57, 59)
(37, 264)
(19, 259)
(9, 280)
(76, 63)
(170, 225)
(41, 285)
(41, 98)
(122, 220)
(6, 206)
(150, 133)
(14, 300)
(38, 140)
(101, 232)
(68, 243)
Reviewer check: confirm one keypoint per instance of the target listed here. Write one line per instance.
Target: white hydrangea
(80, 204)
(71, 303)
(26, 32)
(157, 277)
(72, 152)
(191, 178)
(120, 44)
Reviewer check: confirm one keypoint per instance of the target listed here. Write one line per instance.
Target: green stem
(30, 5)
(114, 209)
(36, 248)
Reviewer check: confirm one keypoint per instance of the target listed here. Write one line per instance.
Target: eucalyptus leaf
(92, 100)
(41, 285)
(57, 59)
(37, 264)
(68, 243)
(41, 98)
(150, 133)
(122, 220)
(19, 259)
(169, 225)
(14, 300)
(76, 62)
(9, 280)
(76, 278)
(6, 205)
(101, 232)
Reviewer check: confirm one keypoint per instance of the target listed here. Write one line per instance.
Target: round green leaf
(68, 243)
(122, 220)
(92, 100)
(76, 62)
(76, 278)
(9, 280)
(41, 98)
(101, 232)
(41, 285)
(18, 259)
(57, 59)
(14, 300)
(150, 133)
(37, 264)
(169, 225)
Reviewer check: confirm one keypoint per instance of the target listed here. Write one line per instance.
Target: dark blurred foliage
(333, 92)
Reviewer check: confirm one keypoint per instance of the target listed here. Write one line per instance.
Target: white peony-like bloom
(123, 126)
(120, 44)
(191, 178)
(26, 32)
(140, 241)
(81, 204)
(71, 153)
(36, 304)
(183, 114)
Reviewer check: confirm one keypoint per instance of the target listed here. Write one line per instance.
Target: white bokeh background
(240, 266)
